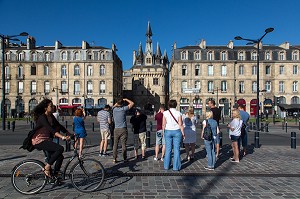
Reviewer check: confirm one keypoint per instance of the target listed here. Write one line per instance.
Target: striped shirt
(102, 117)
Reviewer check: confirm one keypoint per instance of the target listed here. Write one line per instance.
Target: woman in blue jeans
(173, 134)
(210, 146)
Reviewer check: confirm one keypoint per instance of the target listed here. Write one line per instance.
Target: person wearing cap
(138, 122)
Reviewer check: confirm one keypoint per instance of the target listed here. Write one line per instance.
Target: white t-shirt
(171, 124)
(237, 125)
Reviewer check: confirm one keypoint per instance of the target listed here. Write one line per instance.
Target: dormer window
(184, 55)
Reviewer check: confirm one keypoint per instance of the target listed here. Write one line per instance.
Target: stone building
(89, 76)
(228, 74)
(149, 76)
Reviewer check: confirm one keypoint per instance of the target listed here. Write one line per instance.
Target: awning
(69, 106)
(289, 107)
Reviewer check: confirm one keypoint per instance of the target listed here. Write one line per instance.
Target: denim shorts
(234, 138)
(160, 139)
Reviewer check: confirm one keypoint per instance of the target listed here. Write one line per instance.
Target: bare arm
(130, 103)
(180, 123)
(204, 125)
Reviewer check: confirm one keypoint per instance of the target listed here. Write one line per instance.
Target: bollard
(8, 125)
(282, 125)
(256, 139)
(13, 125)
(262, 127)
(151, 126)
(73, 126)
(66, 124)
(148, 139)
(267, 127)
(299, 124)
(221, 138)
(68, 146)
(273, 118)
(93, 126)
(286, 127)
(293, 140)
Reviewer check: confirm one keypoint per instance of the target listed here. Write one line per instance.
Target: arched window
(210, 55)
(76, 56)
(184, 55)
(76, 87)
(223, 55)
(295, 100)
(64, 56)
(47, 56)
(241, 56)
(90, 70)
(281, 55)
(7, 72)
(102, 87)
(295, 56)
(254, 70)
(76, 70)
(254, 56)
(268, 55)
(46, 70)
(63, 101)
(102, 56)
(102, 70)
(295, 86)
(34, 56)
(197, 55)
(20, 71)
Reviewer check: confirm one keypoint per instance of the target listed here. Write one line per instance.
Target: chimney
(30, 42)
(58, 45)
(230, 44)
(174, 46)
(285, 45)
(202, 44)
(85, 45)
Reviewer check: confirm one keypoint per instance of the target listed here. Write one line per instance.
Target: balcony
(8, 76)
(20, 77)
(76, 92)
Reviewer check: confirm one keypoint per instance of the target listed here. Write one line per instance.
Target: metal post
(267, 127)
(66, 124)
(13, 125)
(148, 139)
(221, 138)
(8, 125)
(3, 85)
(273, 118)
(293, 140)
(93, 126)
(256, 137)
(286, 124)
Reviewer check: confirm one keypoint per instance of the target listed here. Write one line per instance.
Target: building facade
(228, 74)
(149, 76)
(89, 76)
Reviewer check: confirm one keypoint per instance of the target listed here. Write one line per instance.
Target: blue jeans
(172, 139)
(210, 147)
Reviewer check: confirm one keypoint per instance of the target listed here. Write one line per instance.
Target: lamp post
(217, 95)
(256, 41)
(53, 90)
(3, 38)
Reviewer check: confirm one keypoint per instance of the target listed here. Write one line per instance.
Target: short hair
(242, 106)
(107, 106)
(79, 112)
(162, 106)
(120, 101)
(209, 114)
(212, 101)
(172, 104)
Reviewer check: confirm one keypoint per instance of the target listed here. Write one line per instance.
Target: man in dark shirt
(138, 122)
(216, 116)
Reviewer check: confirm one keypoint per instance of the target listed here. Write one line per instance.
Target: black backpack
(27, 143)
(207, 132)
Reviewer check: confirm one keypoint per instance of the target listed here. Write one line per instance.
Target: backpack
(27, 143)
(207, 132)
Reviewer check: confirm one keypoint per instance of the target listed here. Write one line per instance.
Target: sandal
(47, 172)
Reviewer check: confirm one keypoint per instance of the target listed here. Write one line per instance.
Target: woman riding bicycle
(46, 128)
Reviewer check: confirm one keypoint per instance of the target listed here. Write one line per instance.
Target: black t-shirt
(139, 123)
(216, 114)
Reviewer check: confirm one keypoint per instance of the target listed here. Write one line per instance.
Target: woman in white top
(189, 123)
(173, 134)
(234, 132)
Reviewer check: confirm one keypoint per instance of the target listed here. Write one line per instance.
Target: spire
(140, 52)
(149, 31)
(165, 55)
(158, 52)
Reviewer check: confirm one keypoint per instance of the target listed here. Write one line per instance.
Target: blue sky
(124, 22)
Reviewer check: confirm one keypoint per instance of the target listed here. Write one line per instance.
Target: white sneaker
(155, 158)
(162, 159)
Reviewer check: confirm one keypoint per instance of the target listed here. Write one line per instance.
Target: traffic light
(275, 101)
(278, 100)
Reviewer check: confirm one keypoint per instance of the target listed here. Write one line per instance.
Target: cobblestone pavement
(267, 172)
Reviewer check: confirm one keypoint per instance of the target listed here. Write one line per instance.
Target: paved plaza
(271, 171)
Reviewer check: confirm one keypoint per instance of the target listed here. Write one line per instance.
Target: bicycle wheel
(28, 177)
(87, 175)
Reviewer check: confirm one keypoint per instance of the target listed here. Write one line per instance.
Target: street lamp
(53, 90)
(217, 95)
(256, 41)
(3, 38)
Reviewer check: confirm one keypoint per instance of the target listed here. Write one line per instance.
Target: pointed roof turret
(149, 31)
(158, 52)
(165, 55)
(140, 52)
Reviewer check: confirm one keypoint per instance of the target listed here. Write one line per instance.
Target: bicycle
(86, 174)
